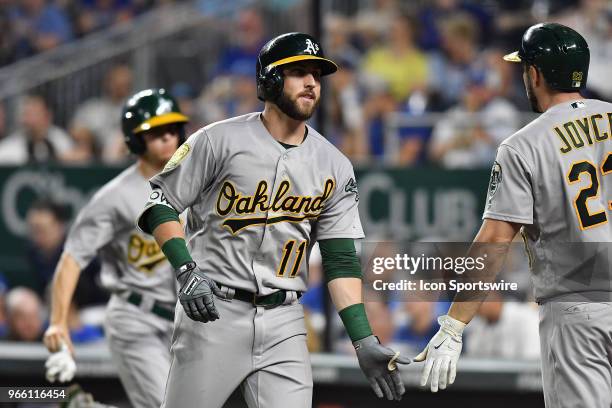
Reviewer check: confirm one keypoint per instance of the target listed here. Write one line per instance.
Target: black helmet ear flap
(269, 84)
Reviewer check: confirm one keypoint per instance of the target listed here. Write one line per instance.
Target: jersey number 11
(287, 252)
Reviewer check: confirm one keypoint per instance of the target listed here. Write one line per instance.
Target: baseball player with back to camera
(138, 323)
(550, 179)
(260, 189)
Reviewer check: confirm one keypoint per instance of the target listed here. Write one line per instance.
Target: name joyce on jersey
(292, 208)
(591, 129)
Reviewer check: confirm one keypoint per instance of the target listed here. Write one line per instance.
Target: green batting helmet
(560, 53)
(146, 110)
(282, 50)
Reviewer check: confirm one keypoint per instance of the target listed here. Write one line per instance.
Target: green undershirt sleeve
(340, 260)
(175, 249)
(157, 215)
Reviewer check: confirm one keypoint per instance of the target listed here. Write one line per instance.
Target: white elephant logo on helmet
(311, 47)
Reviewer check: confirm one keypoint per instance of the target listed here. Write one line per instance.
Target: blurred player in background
(549, 181)
(141, 309)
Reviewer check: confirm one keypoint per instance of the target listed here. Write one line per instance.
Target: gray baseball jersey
(131, 261)
(256, 208)
(552, 176)
(105, 226)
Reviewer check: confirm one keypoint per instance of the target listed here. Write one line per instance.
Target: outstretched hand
(441, 354)
(379, 364)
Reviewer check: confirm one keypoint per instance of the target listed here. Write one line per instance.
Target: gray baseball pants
(576, 346)
(140, 348)
(262, 351)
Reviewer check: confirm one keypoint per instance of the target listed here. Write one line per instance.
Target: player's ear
(536, 76)
(528, 73)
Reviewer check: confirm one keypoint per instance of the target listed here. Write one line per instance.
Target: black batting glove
(378, 363)
(197, 293)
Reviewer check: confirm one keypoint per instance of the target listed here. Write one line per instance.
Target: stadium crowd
(420, 83)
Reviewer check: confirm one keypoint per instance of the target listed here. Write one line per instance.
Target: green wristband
(176, 251)
(356, 321)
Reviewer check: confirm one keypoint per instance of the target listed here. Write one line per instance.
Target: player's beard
(291, 108)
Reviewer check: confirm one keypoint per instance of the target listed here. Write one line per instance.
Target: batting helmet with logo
(146, 110)
(282, 50)
(560, 53)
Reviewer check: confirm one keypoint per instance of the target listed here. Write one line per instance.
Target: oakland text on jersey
(144, 254)
(231, 201)
(577, 133)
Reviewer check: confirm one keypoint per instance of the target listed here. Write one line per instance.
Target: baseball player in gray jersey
(139, 316)
(550, 178)
(260, 189)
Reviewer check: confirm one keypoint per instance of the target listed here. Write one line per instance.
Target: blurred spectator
(186, 98)
(458, 60)
(380, 319)
(372, 23)
(92, 15)
(413, 140)
(233, 90)
(504, 330)
(7, 37)
(513, 17)
(346, 126)
(39, 25)
(96, 125)
(378, 104)
(338, 44)
(80, 332)
(469, 134)
(232, 94)
(593, 19)
(500, 76)
(432, 15)
(37, 140)
(418, 324)
(399, 63)
(25, 315)
(47, 229)
(248, 36)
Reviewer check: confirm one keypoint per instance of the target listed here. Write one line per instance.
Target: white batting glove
(60, 365)
(442, 353)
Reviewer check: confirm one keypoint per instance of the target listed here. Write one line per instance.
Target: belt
(269, 301)
(157, 309)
